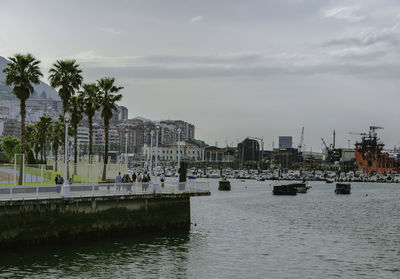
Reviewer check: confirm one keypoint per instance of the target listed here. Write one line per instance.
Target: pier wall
(32, 221)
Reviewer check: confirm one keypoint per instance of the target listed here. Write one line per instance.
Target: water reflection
(153, 254)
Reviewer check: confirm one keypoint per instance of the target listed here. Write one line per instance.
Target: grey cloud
(390, 36)
(360, 70)
(206, 59)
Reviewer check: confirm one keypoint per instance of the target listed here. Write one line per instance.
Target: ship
(370, 157)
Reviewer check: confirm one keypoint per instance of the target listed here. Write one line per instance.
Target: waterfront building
(169, 152)
(216, 154)
(249, 150)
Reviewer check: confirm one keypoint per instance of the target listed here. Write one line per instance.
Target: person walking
(118, 180)
(162, 179)
(60, 181)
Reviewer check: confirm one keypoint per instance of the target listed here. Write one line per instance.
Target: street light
(65, 191)
(179, 148)
(151, 151)
(156, 189)
(126, 147)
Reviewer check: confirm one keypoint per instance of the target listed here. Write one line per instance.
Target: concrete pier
(29, 221)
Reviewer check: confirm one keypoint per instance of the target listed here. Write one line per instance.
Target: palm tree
(75, 110)
(65, 75)
(90, 101)
(108, 99)
(42, 132)
(57, 136)
(21, 72)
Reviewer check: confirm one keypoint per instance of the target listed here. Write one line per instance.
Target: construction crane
(300, 146)
(326, 146)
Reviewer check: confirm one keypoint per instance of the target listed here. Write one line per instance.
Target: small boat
(301, 187)
(224, 185)
(191, 176)
(289, 189)
(329, 180)
(343, 188)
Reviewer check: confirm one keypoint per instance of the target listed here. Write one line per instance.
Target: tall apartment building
(285, 142)
(187, 129)
(123, 113)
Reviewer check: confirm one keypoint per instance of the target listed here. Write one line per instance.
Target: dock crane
(372, 130)
(300, 146)
(326, 146)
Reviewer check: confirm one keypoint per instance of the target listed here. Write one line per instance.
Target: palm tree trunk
(55, 157)
(41, 152)
(106, 124)
(23, 116)
(45, 156)
(75, 149)
(90, 118)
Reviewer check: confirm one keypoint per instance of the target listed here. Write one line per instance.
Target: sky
(232, 68)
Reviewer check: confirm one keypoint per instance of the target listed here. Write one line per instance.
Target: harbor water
(244, 233)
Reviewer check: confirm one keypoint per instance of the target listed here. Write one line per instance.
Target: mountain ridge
(6, 91)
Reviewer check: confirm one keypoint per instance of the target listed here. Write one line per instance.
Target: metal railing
(101, 189)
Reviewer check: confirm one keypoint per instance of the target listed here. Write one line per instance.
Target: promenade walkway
(103, 189)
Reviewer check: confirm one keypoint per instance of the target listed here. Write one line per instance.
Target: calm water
(245, 233)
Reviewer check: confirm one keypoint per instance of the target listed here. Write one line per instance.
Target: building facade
(169, 152)
(285, 142)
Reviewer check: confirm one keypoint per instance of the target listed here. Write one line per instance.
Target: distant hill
(41, 90)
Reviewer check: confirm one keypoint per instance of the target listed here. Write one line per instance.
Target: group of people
(123, 181)
(135, 178)
(60, 180)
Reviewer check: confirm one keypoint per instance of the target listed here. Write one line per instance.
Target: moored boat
(301, 187)
(290, 190)
(224, 185)
(343, 188)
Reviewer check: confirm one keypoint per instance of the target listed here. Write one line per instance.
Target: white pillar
(65, 189)
(156, 159)
(179, 148)
(126, 147)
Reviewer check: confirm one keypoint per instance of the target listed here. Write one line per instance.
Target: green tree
(21, 72)
(10, 145)
(67, 77)
(76, 111)
(42, 129)
(33, 144)
(90, 101)
(108, 99)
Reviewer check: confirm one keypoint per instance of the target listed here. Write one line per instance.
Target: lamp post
(156, 159)
(65, 192)
(126, 147)
(179, 148)
(151, 151)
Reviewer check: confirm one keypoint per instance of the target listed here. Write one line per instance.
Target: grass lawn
(48, 175)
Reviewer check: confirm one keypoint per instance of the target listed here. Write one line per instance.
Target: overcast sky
(232, 68)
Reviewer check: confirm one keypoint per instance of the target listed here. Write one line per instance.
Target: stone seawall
(32, 221)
